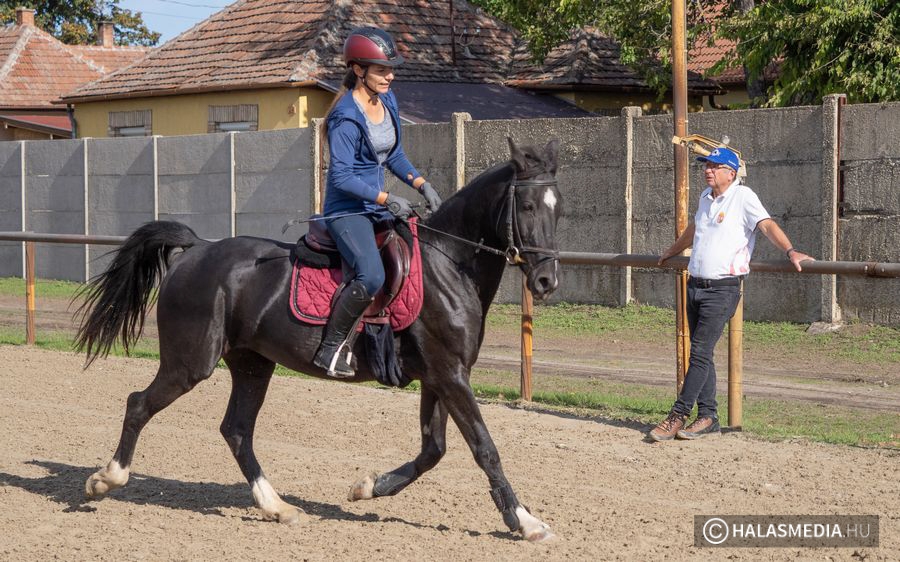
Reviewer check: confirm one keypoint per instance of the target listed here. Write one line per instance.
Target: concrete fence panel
(11, 157)
(432, 150)
(273, 182)
(195, 182)
(121, 191)
(869, 224)
(55, 202)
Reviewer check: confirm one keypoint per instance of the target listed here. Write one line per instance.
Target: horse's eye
(528, 206)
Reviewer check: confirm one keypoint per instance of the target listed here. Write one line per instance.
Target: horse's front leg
(457, 395)
(433, 420)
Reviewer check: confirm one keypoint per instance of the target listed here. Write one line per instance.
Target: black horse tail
(116, 301)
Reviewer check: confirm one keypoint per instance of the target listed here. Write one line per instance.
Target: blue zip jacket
(355, 178)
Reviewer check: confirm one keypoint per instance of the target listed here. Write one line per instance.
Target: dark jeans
(707, 310)
(355, 239)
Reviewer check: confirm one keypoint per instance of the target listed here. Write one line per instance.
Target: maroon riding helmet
(370, 45)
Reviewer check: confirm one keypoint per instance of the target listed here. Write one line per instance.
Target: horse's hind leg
(169, 384)
(433, 420)
(250, 376)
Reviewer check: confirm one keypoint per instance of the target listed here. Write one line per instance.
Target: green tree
(820, 47)
(76, 22)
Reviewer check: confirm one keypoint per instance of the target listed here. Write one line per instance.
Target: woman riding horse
(229, 300)
(363, 128)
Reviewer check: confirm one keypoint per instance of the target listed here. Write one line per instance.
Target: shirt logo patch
(720, 217)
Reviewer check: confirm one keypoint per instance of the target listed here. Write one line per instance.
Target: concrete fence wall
(830, 175)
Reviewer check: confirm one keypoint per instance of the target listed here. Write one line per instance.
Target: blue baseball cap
(723, 156)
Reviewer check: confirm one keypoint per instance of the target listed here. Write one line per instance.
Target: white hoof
(290, 515)
(105, 480)
(533, 529)
(364, 488)
(273, 507)
(544, 535)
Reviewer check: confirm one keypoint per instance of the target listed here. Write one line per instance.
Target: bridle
(515, 248)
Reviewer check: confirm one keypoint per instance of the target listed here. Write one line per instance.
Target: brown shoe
(703, 426)
(667, 428)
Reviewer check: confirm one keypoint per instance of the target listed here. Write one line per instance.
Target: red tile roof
(36, 68)
(254, 43)
(588, 60)
(702, 57)
(48, 123)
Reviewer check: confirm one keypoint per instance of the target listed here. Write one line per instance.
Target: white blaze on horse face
(550, 199)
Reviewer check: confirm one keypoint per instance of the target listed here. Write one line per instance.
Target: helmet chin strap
(365, 83)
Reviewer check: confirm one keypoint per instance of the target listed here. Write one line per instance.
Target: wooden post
(679, 106)
(736, 364)
(683, 335)
(29, 293)
(527, 335)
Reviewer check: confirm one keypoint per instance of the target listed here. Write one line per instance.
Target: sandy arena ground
(604, 491)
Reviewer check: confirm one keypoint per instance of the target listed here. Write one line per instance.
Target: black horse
(229, 300)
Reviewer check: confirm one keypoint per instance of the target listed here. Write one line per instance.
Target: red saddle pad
(312, 290)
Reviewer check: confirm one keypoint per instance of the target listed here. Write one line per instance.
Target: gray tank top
(382, 134)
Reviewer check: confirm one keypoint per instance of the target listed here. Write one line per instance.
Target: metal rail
(866, 269)
(61, 238)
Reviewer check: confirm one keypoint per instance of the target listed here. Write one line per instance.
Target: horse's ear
(518, 157)
(551, 155)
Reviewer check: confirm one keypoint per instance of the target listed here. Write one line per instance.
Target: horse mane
(488, 185)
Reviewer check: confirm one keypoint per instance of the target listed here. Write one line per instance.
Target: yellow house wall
(737, 97)
(611, 102)
(187, 114)
(10, 133)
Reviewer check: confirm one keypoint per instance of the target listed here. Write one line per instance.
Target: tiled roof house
(36, 68)
(270, 64)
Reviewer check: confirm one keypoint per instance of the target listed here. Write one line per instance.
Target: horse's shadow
(64, 484)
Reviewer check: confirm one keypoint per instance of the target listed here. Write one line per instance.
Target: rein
(513, 252)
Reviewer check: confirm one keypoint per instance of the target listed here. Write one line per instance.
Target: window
(130, 123)
(227, 118)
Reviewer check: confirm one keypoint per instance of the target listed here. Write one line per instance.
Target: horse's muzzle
(543, 279)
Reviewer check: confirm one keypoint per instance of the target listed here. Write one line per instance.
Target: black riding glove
(431, 196)
(398, 206)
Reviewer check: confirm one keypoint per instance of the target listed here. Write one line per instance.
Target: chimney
(25, 16)
(105, 36)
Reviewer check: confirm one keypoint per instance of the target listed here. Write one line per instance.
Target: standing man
(722, 234)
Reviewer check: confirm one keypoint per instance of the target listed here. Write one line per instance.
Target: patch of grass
(15, 286)
(586, 319)
(767, 419)
(777, 420)
(63, 341)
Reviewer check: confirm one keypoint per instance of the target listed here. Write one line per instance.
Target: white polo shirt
(725, 232)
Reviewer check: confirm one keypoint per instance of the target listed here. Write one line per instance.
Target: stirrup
(331, 365)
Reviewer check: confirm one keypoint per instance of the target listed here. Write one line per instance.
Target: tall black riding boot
(335, 351)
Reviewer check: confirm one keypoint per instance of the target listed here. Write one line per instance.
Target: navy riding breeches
(355, 239)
